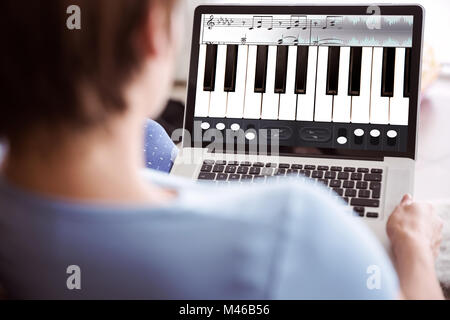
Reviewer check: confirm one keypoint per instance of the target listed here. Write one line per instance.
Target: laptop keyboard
(359, 187)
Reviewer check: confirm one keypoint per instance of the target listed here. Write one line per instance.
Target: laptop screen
(334, 83)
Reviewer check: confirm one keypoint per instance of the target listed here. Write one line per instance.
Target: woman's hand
(417, 225)
(415, 232)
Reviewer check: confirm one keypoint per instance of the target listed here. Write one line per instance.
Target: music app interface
(334, 82)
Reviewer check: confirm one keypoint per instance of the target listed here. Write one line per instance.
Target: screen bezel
(407, 10)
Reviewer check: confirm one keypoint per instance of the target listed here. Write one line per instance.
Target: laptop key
(246, 164)
(363, 170)
(368, 203)
(221, 162)
(292, 172)
(362, 185)
(306, 173)
(317, 174)
(234, 177)
(206, 168)
(340, 192)
(222, 177)
(206, 176)
(357, 176)
(373, 177)
(337, 169)
(351, 193)
(246, 177)
(230, 169)
(297, 167)
(209, 162)
(364, 194)
(218, 169)
(343, 175)
(330, 175)
(376, 194)
(377, 171)
(372, 215)
(335, 183)
(309, 167)
(254, 171)
(284, 166)
(280, 172)
(267, 172)
(349, 184)
(324, 181)
(323, 168)
(360, 211)
(259, 165)
(233, 163)
(242, 170)
(375, 186)
(351, 170)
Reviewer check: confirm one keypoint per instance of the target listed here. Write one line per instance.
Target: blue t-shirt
(274, 241)
(159, 150)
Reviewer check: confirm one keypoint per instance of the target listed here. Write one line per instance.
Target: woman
(73, 195)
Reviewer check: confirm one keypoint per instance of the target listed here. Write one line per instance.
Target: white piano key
(288, 100)
(252, 105)
(218, 102)
(343, 102)
(270, 99)
(379, 105)
(235, 104)
(399, 108)
(203, 97)
(305, 102)
(361, 103)
(324, 103)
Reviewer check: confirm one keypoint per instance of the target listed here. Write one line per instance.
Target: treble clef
(210, 22)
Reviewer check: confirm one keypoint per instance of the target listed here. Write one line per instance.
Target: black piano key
(354, 80)
(281, 69)
(261, 69)
(334, 56)
(387, 78)
(301, 69)
(210, 67)
(231, 68)
(407, 90)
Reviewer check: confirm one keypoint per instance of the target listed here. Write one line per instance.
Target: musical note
(299, 22)
(333, 22)
(287, 40)
(318, 24)
(210, 22)
(260, 22)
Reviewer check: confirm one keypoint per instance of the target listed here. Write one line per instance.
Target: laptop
(326, 93)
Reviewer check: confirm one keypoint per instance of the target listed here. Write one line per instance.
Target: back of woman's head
(49, 70)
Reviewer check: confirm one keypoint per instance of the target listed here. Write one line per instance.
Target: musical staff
(270, 23)
(303, 30)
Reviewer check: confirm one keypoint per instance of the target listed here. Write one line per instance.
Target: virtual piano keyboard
(327, 94)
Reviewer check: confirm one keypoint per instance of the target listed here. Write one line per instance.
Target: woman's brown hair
(46, 67)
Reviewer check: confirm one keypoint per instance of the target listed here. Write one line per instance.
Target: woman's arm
(415, 233)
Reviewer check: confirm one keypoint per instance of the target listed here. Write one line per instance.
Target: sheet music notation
(270, 22)
(306, 30)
